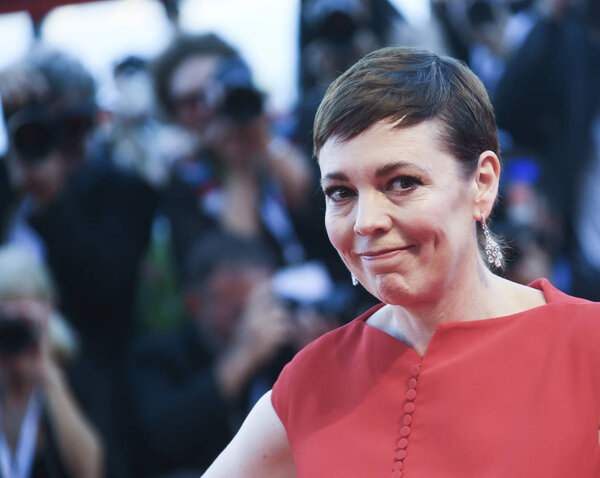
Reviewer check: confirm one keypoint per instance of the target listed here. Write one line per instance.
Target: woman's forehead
(382, 143)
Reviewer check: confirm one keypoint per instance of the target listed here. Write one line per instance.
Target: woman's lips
(382, 253)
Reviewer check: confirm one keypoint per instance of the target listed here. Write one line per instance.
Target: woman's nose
(371, 215)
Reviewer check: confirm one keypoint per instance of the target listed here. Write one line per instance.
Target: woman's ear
(485, 184)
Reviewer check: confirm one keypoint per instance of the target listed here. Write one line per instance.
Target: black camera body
(334, 21)
(17, 335)
(240, 101)
(35, 130)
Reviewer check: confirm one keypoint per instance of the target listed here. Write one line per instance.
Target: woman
(458, 372)
(42, 431)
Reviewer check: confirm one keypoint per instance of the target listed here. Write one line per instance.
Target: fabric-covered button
(411, 394)
(398, 465)
(414, 371)
(401, 454)
(407, 419)
(397, 474)
(405, 431)
(409, 407)
(412, 384)
(402, 443)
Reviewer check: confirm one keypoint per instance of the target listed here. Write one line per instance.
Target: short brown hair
(408, 86)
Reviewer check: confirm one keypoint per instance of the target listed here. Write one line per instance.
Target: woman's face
(400, 211)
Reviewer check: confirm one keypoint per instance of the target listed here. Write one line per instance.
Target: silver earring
(354, 280)
(492, 249)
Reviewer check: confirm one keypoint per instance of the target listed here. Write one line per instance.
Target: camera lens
(242, 104)
(337, 27)
(32, 134)
(16, 336)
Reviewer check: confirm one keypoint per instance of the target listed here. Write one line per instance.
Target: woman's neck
(484, 296)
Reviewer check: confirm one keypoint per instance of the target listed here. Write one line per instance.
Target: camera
(35, 131)
(335, 21)
(17, 335)
(240, 101)
(481, 13)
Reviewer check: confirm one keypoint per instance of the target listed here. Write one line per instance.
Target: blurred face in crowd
(225, 298)
(399, 211)
(190, 91)
(47, 143)
(44, 178)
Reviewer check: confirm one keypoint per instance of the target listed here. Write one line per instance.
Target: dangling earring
(492, 249)
(354, 280)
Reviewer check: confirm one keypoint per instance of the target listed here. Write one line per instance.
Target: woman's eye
(404, 183)
(338, 193)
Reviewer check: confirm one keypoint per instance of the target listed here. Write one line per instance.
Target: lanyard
(19, 465)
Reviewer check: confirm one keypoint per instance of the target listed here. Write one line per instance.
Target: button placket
(407, 418)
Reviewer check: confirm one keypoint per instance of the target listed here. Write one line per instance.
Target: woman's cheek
(338, 232)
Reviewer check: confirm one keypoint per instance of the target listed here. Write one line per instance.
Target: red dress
(511, 397)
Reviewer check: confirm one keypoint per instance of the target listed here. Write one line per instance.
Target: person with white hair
(43, 433)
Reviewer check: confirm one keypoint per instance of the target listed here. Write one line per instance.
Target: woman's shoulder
(572, 319)
(348, 336)
(554, 295)
(557, 300)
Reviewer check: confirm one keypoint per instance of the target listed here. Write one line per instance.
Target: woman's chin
(393, 290)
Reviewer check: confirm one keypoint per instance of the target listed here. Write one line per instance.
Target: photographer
(43, 432)
(89, 221)
(237, 176)
(193, 386)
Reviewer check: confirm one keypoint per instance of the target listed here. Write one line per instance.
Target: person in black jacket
(192, 387)
(549, 101)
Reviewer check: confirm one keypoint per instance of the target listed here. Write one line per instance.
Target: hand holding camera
(266, 324)
(265, 327)
(238, 147)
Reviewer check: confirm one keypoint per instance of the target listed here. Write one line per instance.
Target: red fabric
(515, 396)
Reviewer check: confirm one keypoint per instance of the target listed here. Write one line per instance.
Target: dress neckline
(551, 294)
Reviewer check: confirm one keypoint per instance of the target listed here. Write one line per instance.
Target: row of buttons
(407, 418)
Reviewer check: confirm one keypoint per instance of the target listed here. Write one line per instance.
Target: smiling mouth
(383, 253)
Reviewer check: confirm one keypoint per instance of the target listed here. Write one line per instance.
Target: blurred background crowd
(163, 254)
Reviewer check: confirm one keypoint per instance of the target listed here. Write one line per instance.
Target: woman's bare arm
(259, 450)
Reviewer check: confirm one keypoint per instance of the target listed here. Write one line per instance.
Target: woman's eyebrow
(334, 176)
(390, 167)
(382, 171)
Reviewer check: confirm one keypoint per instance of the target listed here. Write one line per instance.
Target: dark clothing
(547, 100)
(194, 201)
(181, 204)
(95, 236)
(48, 462)
(183, 421)
(8, 196)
